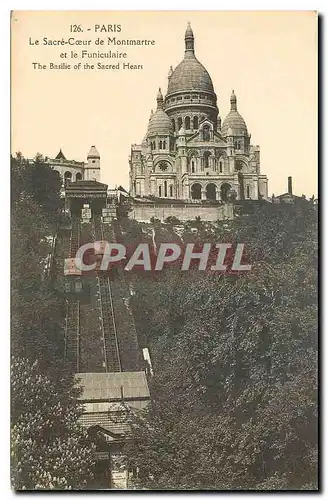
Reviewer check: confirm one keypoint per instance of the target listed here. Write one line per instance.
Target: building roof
(60, 156)
(190, 74)
(86, 189)
(93, 153)
(109, 386)
(116, 423)
(234, 120)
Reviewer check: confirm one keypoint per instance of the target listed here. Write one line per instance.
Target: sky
(268, 58)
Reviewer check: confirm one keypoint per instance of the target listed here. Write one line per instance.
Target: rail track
(108, 321)
(72, 326)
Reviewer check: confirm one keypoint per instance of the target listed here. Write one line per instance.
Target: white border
(5, 8)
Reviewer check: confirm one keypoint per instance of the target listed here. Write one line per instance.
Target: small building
(108, 399)
(288, 197)
(72, 170)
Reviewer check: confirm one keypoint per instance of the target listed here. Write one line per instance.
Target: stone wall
(143, 212)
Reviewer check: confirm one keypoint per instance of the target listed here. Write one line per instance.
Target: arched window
(159, 191)
(164, 144)
(248, 191)
(206, 133)
(67, 177)
(207, 154)
(221, 167)
(193, 166)
(179, 123)
(165, 189)
(160, 144)
(225, 190)
(211, 192)
(171, 191)
(195, 122)
(78, 176)
(187, 123)
(196, 191)
(173, 125)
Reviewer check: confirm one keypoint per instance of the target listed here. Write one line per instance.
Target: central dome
(190, 74)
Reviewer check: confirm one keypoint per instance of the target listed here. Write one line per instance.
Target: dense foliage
(49, 449)
(36, 311)
(234, 396)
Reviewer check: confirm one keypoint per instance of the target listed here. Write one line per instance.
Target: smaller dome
(159, 122)
(234, 120)
(182, 131)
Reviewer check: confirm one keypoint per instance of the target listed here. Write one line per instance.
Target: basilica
(187, 153)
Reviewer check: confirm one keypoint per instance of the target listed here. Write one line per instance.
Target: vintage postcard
(164, 246)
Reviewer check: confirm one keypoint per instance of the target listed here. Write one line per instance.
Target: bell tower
(92, 168)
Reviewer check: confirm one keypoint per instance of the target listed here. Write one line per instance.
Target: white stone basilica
(186, 153)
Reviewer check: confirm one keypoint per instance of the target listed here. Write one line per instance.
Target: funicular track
(108, 321)
(72, 327)
(120, 305)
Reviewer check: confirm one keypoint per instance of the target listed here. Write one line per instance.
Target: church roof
(60, 156)
(234, 120)
(190, 74)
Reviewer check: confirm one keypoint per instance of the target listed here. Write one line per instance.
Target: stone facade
(144, 212)
(71, 170)
(186, 153)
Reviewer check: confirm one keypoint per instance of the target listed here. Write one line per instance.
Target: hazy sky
(268, 58)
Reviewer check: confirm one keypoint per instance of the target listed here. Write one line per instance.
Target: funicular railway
(108, 320)
(100, 335)
(114, 297)
(72, 326)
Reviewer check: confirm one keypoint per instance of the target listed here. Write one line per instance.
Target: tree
(234, 396)
(49, 448)
(38, 181)
(37, 312)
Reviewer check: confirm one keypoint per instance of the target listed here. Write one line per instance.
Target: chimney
(290, 186)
